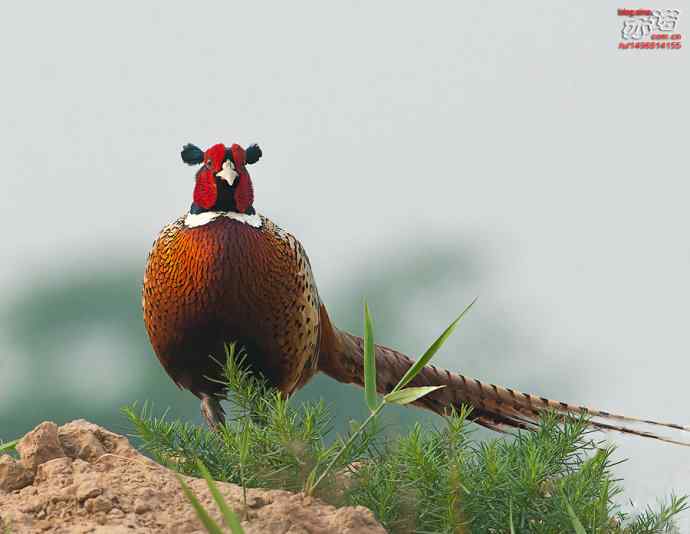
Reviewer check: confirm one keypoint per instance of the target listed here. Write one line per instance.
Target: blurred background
(424, 154)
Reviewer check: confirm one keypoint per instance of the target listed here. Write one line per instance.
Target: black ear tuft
(192, 154)
(253, 153)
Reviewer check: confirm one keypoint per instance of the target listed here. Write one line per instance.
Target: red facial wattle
(244, 191)
(205, 190)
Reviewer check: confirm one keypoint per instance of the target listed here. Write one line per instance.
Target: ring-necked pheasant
(223, 273)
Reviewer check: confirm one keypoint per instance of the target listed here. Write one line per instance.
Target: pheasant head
(222, 182)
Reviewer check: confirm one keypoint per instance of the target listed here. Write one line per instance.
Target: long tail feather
(495, 407)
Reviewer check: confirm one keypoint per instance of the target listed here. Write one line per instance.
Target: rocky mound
(83, 478)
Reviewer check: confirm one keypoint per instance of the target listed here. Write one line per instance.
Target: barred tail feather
(494, 407)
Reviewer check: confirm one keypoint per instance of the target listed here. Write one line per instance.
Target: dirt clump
(83, 478)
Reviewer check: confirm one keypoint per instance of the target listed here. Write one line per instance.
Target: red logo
(650, 29)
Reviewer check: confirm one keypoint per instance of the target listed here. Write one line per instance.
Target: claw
(212, 411)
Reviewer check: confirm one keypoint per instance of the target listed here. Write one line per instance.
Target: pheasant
(222, 272)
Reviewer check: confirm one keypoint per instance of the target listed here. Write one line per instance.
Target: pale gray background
(514, 130)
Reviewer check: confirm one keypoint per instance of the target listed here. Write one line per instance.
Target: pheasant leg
(212, 411)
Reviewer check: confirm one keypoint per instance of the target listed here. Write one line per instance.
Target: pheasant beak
(228, 172)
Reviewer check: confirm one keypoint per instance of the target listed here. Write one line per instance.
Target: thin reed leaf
(209, 524)
(231, 519)
(408, 395)
(577, 524)
(9, 446)
(432, 350)
(369, 361)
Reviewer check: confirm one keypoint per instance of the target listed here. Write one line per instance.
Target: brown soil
(83, 478)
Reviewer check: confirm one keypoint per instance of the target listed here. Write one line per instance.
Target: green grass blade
(577, 525)
(9, 446)
(231, 519)
(432, 350)
(209, 524)
(408, 395)
(510, 518)
(369, 362)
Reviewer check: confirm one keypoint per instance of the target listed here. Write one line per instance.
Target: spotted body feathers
(230, 281)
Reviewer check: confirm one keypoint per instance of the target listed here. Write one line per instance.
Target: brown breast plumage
(226, 281)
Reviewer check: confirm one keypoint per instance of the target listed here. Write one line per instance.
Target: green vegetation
(9, 446)
(432, 479)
